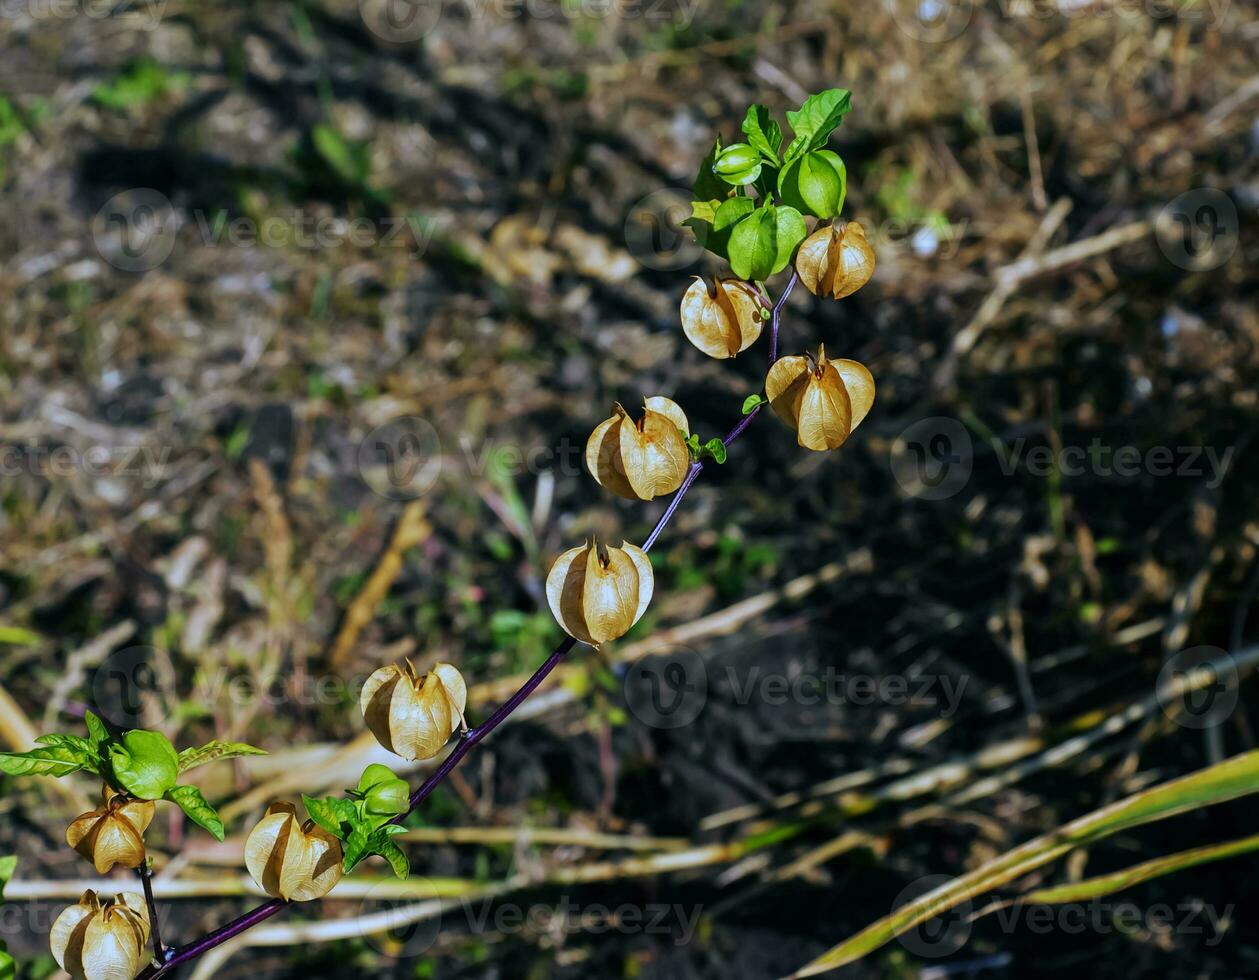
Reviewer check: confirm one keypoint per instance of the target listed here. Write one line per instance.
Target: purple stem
(474, 735)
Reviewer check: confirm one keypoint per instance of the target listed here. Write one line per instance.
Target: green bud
(384, 794)
(738, 164)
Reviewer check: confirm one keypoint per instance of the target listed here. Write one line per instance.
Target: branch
(263, 912)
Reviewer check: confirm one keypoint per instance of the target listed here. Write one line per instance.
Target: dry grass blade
(1228, 780)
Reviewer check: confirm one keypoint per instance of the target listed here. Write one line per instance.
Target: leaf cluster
(751, 197)
(142, 764)
(363, 819)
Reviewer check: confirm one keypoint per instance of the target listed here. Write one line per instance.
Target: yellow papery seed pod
(113, 833)
(102, 941)
(644, 459)
(293, 861)
(725, 317)
(835, 261)
(597, 593)
(822, 400)
(414, 716)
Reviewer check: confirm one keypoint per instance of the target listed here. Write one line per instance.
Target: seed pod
(644, 459)
(835, 261)
(102, 941)
(113, 833)
(725, 317)
(292, 861)
(414, 716)
(598, 593)
(822, 400)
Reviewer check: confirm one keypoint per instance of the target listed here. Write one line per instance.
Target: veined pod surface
(290, 860)
(414, 716)
(644, 459)
(823, 400)
(113, 833)
(598, 592)
(723, 317)
(835, 260)
(97, 940)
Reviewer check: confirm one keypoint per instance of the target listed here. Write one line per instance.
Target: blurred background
(306, 312)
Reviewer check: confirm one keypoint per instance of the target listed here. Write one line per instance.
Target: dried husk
(724, 317)
(414, 717)
(102, 941)
(112, 834)
(823, 400)
(835, 260)
(288, 860)
(597, 593)
(644, 459)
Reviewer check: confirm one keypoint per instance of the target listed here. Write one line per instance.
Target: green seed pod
(738, 164)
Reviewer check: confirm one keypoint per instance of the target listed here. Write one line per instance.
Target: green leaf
(1227, 780)
(763, 243)
(348, 160)
(49, 761)
(331, 813)
(715, 448)
(190, 800)
(7, 866)
(79, 749)
(815, 120)
(18, 636)
(362, 843)
(97, 733)
(215, 751)
(763, 132)
(8, 965)
(816, 182)
(752, 402)
(145, 764)
(703, 211)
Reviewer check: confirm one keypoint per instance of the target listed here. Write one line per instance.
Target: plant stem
(145, 871)
(474, 735)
